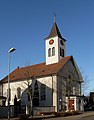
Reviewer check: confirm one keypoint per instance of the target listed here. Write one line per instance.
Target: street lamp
(10, 51)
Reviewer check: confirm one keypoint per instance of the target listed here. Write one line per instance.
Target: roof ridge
(32, 65)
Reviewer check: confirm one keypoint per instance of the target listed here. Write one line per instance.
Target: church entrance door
(71, 104)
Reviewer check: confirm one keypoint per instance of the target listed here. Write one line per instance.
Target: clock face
(61, 42)
(51, 41)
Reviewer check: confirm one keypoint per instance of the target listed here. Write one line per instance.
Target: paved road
(84, 116)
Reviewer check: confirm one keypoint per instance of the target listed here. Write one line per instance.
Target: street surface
(84, 116)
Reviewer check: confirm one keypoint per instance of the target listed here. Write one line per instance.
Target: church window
(49, 52)
(74, 91)
(61, 52)
(36, 91)
(36, 95)
(9, 93)
(28, 97)
(18, 92)
(42, 93)
(53, 51)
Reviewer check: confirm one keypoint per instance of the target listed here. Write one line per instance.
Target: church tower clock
(55, 46)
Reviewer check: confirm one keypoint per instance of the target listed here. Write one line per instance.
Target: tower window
(61, 52)
(49, 52)
(53, 51)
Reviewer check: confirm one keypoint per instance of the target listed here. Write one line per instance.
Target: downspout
(80, 89)
(52, 90)
(57, 93)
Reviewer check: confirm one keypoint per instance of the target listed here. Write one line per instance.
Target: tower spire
(55, 45)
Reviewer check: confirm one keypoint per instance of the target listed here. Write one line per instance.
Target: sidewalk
(84, 114)
(76, 117)
(35, 117)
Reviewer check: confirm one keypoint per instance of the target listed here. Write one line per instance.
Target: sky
(24, 25)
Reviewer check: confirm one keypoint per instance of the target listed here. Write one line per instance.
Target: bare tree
(29, 82)
(86, 85)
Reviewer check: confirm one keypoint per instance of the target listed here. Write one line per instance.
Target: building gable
(71, 69)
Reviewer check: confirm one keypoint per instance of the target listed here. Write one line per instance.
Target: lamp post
(9, 52)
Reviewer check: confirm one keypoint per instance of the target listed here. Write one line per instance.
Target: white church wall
(5, 87)
(13, 87)
(23, 85)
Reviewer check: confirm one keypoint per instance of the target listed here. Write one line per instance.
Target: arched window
(61, 52)
(42, 92)
(36, 95)
(53, 51)
(18, 92)
(49, 52)
(36, 91)
(74, 91)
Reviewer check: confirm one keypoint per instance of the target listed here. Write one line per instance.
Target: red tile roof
(37, 70)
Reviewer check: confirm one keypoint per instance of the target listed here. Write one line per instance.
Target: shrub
(69, 113)
(45, 113)
(60, 114)
(76, 112)
(23, 117)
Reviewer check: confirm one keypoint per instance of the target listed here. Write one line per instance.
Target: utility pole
(9, 52)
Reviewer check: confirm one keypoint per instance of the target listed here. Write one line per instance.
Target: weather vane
(54, 16)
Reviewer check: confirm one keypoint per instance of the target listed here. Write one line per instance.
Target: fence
(43, 109)
(17, 110)
(4, 111)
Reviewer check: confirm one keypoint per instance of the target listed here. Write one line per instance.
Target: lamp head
(11, 50)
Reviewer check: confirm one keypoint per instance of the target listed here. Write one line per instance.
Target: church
(55, 83)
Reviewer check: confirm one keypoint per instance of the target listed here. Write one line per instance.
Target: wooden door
(71, 104)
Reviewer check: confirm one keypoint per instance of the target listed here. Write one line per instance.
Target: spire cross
(54, 17)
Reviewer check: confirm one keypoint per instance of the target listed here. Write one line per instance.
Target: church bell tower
(55, 46)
